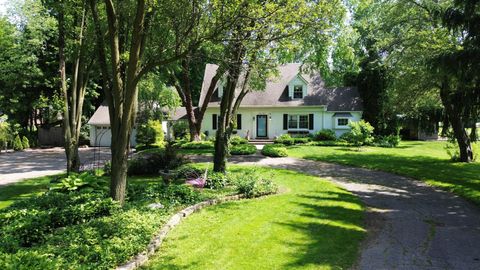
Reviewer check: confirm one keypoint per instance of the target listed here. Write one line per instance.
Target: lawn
(24, 189)
(426, 161)
(310, 224)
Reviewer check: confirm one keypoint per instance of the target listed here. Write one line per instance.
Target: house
(293, 102)
(100, 131)
(101, 134)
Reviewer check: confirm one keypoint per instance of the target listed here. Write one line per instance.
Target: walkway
(412, 225)
(17, 166)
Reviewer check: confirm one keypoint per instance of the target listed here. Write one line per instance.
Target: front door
(261, 126)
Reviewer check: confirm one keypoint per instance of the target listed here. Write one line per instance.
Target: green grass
(24, 189)
(311, 224)
(426, 161)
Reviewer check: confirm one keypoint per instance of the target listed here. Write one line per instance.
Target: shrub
(150, 133)
(301, 140)
(243, 149)
(325, 135)
(180, 129)
(5, 134)
(361, 133)
(252, 184)
(85, 181)
(389, 141)
(168, 195)
(107, 168)
(29, 222)
(236, 140)
(151, 161)
(285, 139)
(17, 144)
(25, 143)
(329, 143)
(216, 180)
(272, 150)
(197, 145)
(454, 152)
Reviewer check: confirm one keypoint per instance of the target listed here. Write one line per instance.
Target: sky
(3, 7)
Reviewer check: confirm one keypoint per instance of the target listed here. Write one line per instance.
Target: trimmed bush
(325, 135)
(236, 140)
(197, 145)
(243, 149)
(329, 143)
(272, 150)
(25, 143)
(301, 140)
(17, 144)
(285, 139)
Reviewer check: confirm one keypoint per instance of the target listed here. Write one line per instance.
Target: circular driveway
(16, 166)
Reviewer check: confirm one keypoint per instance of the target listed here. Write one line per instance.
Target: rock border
(154, 245)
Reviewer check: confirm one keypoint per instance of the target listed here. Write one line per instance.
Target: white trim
(337, 126)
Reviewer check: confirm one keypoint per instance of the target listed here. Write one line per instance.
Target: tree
(263, 30)
(460, 87)
(141, 36)
(74, 35)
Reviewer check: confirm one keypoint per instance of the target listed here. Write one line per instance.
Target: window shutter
(285, 122)
(239, 121)
(310, 121)
(214, 121)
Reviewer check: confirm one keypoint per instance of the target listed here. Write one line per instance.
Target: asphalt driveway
(17, 166)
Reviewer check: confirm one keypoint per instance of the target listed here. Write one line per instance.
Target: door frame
(266, 126)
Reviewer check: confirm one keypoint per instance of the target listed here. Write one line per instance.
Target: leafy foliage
(390, 141)
(198, 145)
(325, 135)
(253, 184)
(243, 149)
(272, 150)
(236, 140)
(86, 181)
(25, 142)
(285, 139)
(151, 161)
(17, 144)
(361, 133)
(150, 133)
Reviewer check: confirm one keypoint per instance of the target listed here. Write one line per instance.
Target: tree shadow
(332, 230)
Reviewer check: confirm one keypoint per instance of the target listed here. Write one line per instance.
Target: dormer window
(298, 91)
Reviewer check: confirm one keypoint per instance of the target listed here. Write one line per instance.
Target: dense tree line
(406, 57)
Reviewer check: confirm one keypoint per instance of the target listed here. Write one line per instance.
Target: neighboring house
(101, 134)
(293, 103)
(100, 131)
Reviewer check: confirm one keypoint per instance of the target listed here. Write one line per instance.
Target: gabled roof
(276, 92)
(100, 117)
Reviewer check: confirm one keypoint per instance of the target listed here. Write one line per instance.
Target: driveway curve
(412, 225)
(17, 166)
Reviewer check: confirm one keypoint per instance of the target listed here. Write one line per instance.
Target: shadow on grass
(461, 178)
(333, 231)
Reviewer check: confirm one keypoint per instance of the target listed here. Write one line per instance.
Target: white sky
(3, 6)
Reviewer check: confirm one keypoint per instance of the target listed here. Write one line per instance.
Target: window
(298, 91)
(303, 121)
(296, 121)
(341, 122)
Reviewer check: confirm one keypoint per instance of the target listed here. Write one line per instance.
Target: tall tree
(264, 29)
(141, 36)
(74, 33)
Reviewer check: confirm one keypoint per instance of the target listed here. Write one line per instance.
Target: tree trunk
(118, 183)
(452, 109)
(221, 149)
